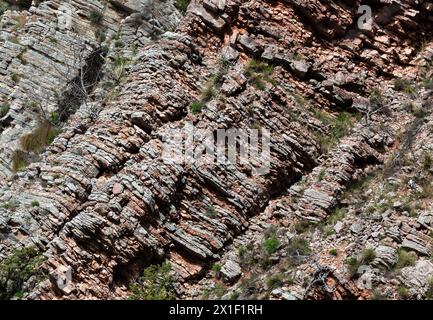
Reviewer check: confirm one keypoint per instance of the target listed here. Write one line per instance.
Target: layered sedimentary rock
(109, 204)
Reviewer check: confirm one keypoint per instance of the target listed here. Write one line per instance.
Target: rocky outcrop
(102, 202)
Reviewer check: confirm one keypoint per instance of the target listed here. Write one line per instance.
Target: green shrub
(427, 161)
(275, 281)
(20, 160)
(182, 5)
(216, 268)
(405, 259)
(416, 110)
(401, 84)
(321, 175)
(208, 92)
(368, 255)
(96, 17)
(338, 128)
(196, 107)
(4, 109)
(211, 212)
(246, 256)
(302, 226)
(155, 284)
(35, 203)
(428, 83)
(13, 204)
(3, 7)
(353, 265)
(376, 98)
(298, 56)
(333, 252)
(15, 77)
(258, 72)
(271, 245)
(403, 292)
(219, 290)
(297, 250)
(17, 269)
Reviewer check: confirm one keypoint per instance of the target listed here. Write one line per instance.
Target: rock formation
(344, 211)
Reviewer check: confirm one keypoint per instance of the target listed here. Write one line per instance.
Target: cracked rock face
(345, 197)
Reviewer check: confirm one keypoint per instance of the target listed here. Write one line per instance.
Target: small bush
(258, 72)
(338, 128)
(35, 203)
(376, 98)
(333, 252)
(275, 281)
(96, 17)
(4, 109)
(182, 5)
(403, 292)
(208, 92)
(402, 84)
(426, 161)
(353, 265)
(211, 212)
(196, 107)
(246, 256)
(219, 290)
(3, 7)
(15, 77)
(321, 175)
(216, 268)
(405, 259)
(155, 284)
(297, 250)
(13, 204)
(416, 110)
(302, 226)
(17, 269)
(271, 245)
(368, 255)
(20, 160)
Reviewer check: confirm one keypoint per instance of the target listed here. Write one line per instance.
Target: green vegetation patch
(155, 284)
(17, 269)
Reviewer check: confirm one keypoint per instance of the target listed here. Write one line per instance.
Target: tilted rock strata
(109, 204)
